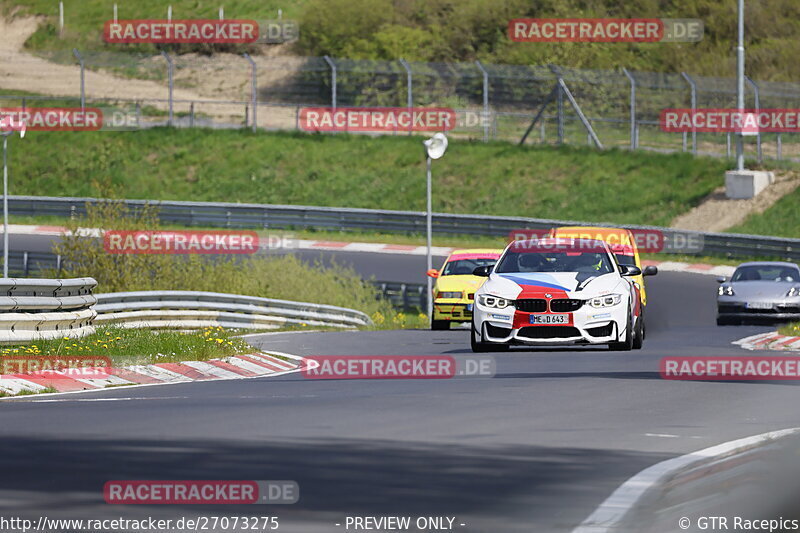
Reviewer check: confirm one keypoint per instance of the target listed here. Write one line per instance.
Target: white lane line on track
(608, 516)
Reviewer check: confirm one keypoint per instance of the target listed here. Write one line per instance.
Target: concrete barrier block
(742, 184)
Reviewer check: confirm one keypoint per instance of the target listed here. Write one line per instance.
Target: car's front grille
(565, 305)
(549, 332)
(531, 305)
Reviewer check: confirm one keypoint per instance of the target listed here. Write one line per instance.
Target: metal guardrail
(231, 215)
(195, 309)
(38, 309)
(406, 296)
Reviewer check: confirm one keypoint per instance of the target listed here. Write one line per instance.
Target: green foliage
(782, 219)
(281, 277)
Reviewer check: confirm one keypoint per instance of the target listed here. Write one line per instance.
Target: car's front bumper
(778, 310)
(453, 310)
(587, 325)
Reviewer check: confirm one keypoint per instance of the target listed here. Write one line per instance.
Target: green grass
(792, 330)
(782, 219)
(575, 183)
(138, 346)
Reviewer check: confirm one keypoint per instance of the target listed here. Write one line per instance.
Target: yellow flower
(105, 346)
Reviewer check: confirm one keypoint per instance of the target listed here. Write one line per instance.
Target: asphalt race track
(535, 448)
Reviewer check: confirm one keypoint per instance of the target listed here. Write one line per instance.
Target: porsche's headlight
(794, 291)
(494, 301)
(725, 290)
(449, 294)
(607, 300)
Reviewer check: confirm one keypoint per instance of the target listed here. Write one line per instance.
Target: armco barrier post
(79, 57)
(169, 78)
(253, 91)
(693, 88)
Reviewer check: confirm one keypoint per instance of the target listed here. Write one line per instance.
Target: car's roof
(769, 263)
(477, 251)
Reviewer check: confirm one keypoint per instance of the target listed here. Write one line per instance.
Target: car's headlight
(449, 294)
(607, 300)
(794, 291)
(725, 290)
(493, 301)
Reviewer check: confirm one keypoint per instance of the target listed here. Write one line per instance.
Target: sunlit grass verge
(792, 330)
(139, 346)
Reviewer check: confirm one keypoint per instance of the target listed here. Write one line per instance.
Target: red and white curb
(254, 365)
(769, 341)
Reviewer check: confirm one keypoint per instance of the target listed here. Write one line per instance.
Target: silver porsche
(759, 290)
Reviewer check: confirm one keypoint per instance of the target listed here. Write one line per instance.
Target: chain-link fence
(620, 108)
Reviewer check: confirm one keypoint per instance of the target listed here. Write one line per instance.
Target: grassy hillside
(782, 219)
(360, 171)
(464, 30)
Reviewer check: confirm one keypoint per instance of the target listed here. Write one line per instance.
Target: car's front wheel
(625, 344)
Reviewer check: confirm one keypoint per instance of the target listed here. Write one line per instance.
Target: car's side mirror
(650, 271)
(722, 279)
(483, 271)
(630, 270)
(433, 273)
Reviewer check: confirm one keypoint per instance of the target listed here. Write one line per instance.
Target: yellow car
(454, 290)
(622, 243)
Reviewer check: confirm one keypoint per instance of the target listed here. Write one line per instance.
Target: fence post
(169, 13)
(485, 101)
(83, 84)
(115, 14)
(333, 80)
(758, 108)
(60, 19)
(169, 77)
(779, 149)
(693, 87)
(632, 107)
(253, 91)
(409, 91)
(191, 115)
(559, 102)
(221, 13)
(728, 145)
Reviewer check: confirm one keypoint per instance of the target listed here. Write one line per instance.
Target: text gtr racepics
(557, 292)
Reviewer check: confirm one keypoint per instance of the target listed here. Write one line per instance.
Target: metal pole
(485, 101)
(169, 77)
(115, 13)
(693, 87)
(5, 206)
(428, 228)
(560, 104)
(758, 108)
(409, 93)
(632, 107)
(83, 84)
(740, 84)
(253, 92)
(221, 13)
(333, 80)
(60, 19)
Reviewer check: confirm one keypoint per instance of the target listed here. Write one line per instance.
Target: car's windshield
(466, 266)
(555, 261)
(766, 273)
